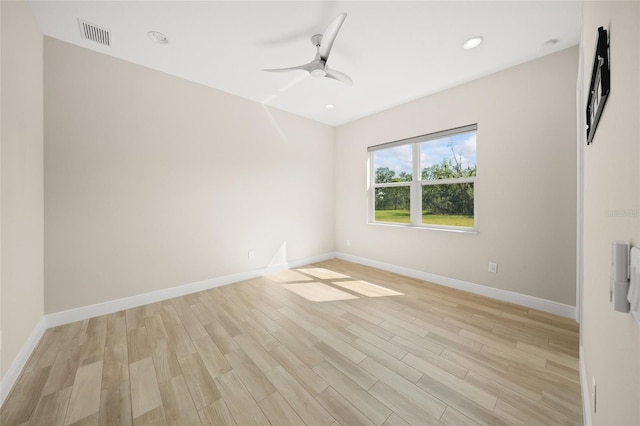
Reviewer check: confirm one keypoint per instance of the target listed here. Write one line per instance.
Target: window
(427, 181)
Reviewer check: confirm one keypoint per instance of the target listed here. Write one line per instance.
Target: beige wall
(611, 340)
(22, 179)
(526, 181)
(154, 182)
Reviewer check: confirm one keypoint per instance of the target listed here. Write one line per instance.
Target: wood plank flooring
(329, 344)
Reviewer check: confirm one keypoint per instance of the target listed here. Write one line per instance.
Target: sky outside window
(437, 150)
(397, 159)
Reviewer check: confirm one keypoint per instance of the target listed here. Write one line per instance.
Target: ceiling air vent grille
(94, 33)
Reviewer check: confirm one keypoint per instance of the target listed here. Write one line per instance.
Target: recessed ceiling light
(158, 37)
(473, 42)
(329, 106)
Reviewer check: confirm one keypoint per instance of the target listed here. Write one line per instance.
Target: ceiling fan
(323, 43)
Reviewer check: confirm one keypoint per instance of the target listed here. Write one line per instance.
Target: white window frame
(417, 183)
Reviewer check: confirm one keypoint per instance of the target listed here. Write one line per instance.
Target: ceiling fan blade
(340, 76)
(330, 35)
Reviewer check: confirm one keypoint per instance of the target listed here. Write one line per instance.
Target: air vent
(94, 33)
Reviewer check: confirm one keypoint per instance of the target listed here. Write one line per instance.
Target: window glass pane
(392, 204)
(449, 157)
(393, 164)
(450, 205)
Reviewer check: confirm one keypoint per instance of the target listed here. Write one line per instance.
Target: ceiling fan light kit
(323, 44)
(318, 72)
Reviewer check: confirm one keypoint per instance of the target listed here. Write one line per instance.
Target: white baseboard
(494, 293)
(20, 361)
(584, 387)
(85, 312)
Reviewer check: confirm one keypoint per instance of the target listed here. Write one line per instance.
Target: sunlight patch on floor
(288, 276)
(323, 274)
(367, 289)
(321, 285)
(318, 292)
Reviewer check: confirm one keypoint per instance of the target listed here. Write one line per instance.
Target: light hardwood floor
(326, 344)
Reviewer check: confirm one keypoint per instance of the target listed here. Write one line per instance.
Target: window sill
(472, 231)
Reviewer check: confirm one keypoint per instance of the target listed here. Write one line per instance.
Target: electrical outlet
(348, 243)
(493, 267)
(251, 255)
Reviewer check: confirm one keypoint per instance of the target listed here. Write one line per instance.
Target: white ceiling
(395, 51)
